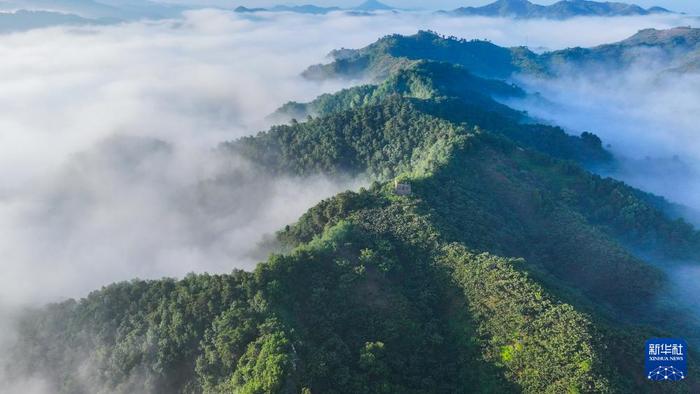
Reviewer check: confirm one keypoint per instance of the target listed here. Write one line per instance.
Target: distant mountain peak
(373, 5)
(243, 9)
(515, 5)
(513, 2)
(658, 10)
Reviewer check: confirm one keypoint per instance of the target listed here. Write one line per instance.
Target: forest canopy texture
(510, 267)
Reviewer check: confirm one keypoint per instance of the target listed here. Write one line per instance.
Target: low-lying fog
(647, 116)
(106, 136)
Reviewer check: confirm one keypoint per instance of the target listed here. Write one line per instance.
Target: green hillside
(671, 48)
(674, 49)
(524, 9)
(434, 91)
(509, 268)
(394, 52)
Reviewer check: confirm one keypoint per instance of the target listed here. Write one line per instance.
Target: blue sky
(690, 6)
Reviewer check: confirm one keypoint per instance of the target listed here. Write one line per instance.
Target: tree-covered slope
(510, 201)
(509, 268)
(393, 294)
(391, 53)
(675, 48)
(670, 48)
(560, 10)
(359, 309)
(422, 79)
(380, 294)
(446, 92)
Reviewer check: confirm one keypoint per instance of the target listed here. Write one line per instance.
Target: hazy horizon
(675, 5)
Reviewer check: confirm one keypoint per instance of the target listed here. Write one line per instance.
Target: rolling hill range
(364, 8)
(564, 9)
(301, 9)
(510, 267)
(25, 20)
(672, 49)
(22, 15)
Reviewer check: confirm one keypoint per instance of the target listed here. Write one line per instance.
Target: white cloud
(90, 197)
(75, 221)
(80, 209)
(648, 117)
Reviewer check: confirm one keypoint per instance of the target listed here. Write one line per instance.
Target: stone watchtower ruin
(402, 188)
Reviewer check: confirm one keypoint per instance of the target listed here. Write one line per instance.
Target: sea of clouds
(106, 135)
(646, 115)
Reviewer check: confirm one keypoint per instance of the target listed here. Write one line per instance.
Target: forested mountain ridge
(678, 47)
(509, 268)
(378, 60)
(560, 10)
(450, 92)
(673, 48)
